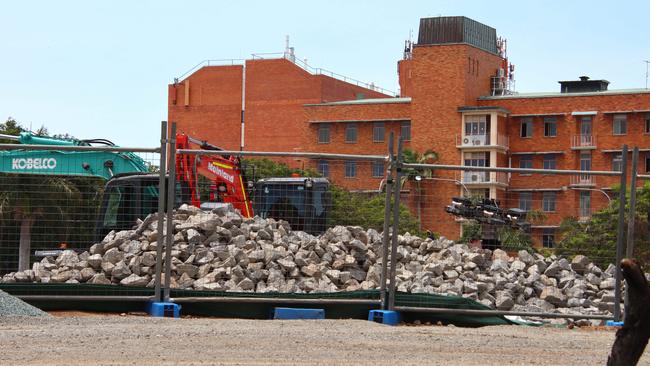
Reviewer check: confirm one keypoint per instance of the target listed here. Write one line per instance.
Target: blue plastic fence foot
(164, 309)
(387, 317)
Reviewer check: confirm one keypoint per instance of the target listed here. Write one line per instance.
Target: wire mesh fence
(54, 200)
(308, 223)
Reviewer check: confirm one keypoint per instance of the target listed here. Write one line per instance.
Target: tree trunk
(632, 338)
(24, 248)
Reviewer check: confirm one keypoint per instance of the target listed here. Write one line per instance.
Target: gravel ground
(140, 340)
(13, 306)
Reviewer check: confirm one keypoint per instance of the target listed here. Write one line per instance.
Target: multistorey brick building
(454, 99)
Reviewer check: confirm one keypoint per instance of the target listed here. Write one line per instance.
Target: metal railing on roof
(218, 62)
(300, 63)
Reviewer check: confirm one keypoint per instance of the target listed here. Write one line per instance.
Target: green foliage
(357, 209)
(266, 168)
(413, 157)
(596, 238)
(10, 127)
(514, 239)
(471, 231)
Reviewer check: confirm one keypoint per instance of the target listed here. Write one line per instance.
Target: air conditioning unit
(474, 177)
(479, 140)
(466, 141)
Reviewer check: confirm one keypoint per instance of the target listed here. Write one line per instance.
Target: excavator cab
(303, 202)
(130, 197)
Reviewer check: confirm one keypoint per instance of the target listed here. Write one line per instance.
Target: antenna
(647, 62)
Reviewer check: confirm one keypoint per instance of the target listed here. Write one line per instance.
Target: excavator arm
(102, 164)
(223, 172)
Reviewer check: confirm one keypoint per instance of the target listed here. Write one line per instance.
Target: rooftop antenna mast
(647, 62)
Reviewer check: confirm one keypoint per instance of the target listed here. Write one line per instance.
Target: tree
(28, 198)
(10, 127)
(596, 238)
(411, 175)
(357, 209)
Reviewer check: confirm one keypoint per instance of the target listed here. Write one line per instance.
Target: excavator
(131, 189)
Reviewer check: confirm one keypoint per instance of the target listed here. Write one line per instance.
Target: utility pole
(647, 62)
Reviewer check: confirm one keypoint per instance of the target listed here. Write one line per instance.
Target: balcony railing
(474, 177)
(473, 141)
(582, 180)
(580, 142)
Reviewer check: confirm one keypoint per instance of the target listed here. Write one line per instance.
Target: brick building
(454, 99)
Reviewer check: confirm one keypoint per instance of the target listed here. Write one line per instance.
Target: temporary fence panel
(69, 197)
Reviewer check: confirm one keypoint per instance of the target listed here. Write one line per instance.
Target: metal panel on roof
(441, 30)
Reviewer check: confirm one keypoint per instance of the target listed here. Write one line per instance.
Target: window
(647, 123)
(476, 125)
(617, 162)
(647, 162)
(351, 132)
(527, 127)
(478, 193)
(476, 159)
(324, 168)
(405, 131)
(378, 132)
(585, 203)
(350, 169)
(549, 162)
(550, 126)
(585, 160)
(548, 202)
(526, 162)
(377, 169)
(620, 124)
(324, 133)
(548, 238)
(526, 201)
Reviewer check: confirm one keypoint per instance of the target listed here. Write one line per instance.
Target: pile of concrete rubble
(222, 251)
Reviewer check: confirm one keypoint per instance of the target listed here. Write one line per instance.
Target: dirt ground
(81, 338)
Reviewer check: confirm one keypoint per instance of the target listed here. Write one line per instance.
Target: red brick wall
(214, 110)
(405, 73)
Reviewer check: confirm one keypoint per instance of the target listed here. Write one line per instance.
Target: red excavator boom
(224, 173)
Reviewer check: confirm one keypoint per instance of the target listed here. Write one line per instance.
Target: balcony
(582, 180)
(474, 178)
(583, 142)
(481, 142)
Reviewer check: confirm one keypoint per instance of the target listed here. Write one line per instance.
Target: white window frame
(549, 201)
(526, 201)
(528, 122)
(619, 124)
(550, 121)
(351, 128)
(350, 168)
(376, 127)
(324, 128)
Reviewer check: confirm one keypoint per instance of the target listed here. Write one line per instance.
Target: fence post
(393, 249)
(171, 193)
(620, 236)
(161, 208)
(629, 249)
(387, 211)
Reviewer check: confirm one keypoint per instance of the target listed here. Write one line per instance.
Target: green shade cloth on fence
(252, 310)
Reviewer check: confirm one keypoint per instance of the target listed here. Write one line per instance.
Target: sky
(100, 69)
